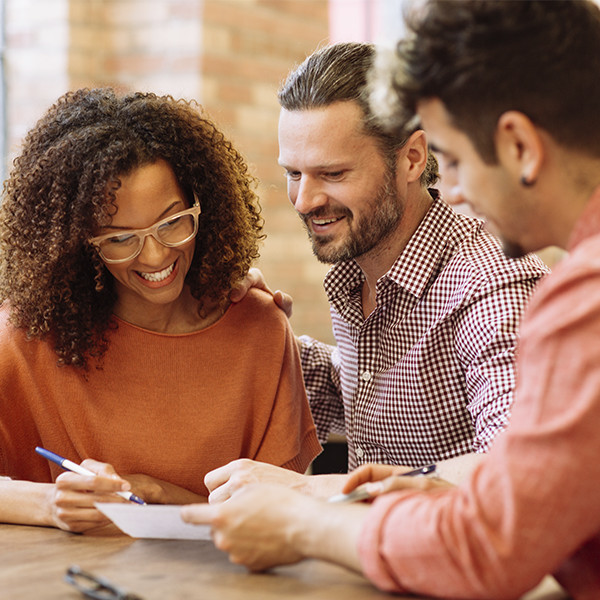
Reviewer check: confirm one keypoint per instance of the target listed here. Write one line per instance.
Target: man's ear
(519, 146)
(412, 157)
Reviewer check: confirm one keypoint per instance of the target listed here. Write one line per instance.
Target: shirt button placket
(366, 380)
(364, 389)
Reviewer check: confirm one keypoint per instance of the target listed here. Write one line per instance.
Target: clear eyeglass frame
(97, 588)
(142, 234)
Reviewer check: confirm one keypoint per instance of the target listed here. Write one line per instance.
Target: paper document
(152, 521)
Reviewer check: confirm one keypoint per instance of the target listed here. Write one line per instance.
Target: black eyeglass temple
(99, 584)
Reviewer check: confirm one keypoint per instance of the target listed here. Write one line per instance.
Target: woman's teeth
(158, 276)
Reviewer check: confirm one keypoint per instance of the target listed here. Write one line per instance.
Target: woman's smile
(163, 277)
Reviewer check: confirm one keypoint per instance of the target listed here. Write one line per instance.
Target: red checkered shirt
(429, 374)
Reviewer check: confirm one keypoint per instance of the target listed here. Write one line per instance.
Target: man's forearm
(322, 486)
(331, 533)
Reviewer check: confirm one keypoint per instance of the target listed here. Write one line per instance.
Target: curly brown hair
(62, 189)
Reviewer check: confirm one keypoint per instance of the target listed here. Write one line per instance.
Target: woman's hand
(157, 491)
(71, 499)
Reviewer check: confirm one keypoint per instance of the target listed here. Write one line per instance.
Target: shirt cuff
(374, 564)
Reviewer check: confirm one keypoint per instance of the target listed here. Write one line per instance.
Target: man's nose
(454, 195)
(306, 195)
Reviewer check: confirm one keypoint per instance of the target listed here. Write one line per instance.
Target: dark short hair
(484, 57)
(62, 190)
(339, 73)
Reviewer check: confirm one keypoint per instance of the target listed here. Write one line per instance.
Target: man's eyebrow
(337, 166)
(435, 149)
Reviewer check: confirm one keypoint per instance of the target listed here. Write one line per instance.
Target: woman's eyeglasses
(171, 231)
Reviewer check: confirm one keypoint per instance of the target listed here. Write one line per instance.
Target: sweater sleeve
(291, 431)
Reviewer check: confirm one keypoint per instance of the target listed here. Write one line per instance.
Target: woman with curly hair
(125, 223)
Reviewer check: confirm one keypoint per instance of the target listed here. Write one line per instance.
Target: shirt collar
(416, 266)
(588, 223)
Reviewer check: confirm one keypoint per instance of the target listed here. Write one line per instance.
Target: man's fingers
(221, 475)
(370, 472)
(217, 477)
(284, 302)
(254, 278)
(219, 495)
(199, 514)
(361, 475)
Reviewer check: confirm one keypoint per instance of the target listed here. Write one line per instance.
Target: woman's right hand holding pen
(71, 499)
(73, 496)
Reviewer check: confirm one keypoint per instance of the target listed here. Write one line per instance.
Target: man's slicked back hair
(339, 73)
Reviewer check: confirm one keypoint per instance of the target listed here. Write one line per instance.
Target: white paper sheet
(152, 521)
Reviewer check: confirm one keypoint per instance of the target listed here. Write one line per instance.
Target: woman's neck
(177, 317)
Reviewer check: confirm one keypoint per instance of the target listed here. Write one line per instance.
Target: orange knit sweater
(170, 406)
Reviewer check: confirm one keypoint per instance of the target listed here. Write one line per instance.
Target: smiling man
(424, 305)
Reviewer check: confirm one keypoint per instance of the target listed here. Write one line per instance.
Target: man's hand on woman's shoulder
(256, 279)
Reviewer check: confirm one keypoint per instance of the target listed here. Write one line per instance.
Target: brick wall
(149, 45)
(249, 47)
(35, 61)
(231, 55)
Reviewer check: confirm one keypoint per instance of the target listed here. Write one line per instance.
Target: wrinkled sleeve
(320, 368)
(291, 431)
(531, 506)
(486, 334)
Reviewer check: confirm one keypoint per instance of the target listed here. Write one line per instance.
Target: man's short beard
(386, 213)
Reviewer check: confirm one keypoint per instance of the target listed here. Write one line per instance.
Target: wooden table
(33, 561)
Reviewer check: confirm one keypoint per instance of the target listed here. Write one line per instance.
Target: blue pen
(69, 465)
(361, 493)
